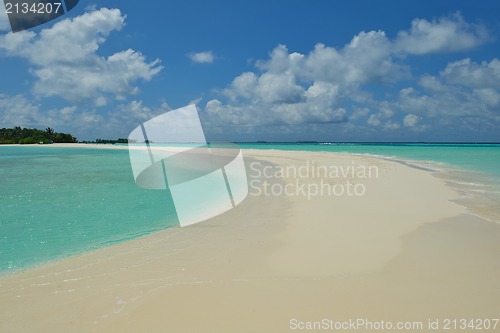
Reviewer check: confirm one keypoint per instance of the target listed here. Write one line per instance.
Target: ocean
(56, 202)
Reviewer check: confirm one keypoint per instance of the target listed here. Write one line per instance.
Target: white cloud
(134, 110)
(449, 102)
(468, 73)
(359, 113)
(390, 125)
(463, 89)
(66, 114)
(205, 57)
(320, 90)
(374, 120)
(19, 111)
(66, 63)
(84, 123)
(490, 97)
(410, 120)
(446, 34)
(312, 110)
(278, 88)
(243, 86)
(383, 118)
(431, 83)
(267, 88)
(277, 98)
(125, 117)
(294, 88)
(367, 58)
(281, 61)
(481, 82)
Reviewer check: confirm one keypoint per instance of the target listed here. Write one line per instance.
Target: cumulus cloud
(295, 88)
(266, 88)
(85, 123)
(410, 120)
(489, 96)
(123, 118)
(450, 102)
(326, 90)
(205, 57)
(391, 125)
(136, 112)
(463, 96)
(463, 89)
(276, 97)
(292, 88)
(311, 110)
(446, 34)
(374, 120)
(359, 113)
(468, 73)
(18, 110)
(383, 118)
(367, 58)
(66, 64)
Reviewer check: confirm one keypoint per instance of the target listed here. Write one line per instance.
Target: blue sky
(261, 70)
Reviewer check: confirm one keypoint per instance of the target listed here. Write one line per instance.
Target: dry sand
(401, 252)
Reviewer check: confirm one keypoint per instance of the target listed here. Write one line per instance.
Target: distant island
(24, 136)
(107, 141)
(18, 135)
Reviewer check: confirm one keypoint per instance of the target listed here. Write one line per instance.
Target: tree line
(107, 141)
(18, 135)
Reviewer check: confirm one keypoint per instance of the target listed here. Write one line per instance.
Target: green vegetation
(18, 135)
(107, 141)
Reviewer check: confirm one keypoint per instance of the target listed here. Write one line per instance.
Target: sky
(280, 70)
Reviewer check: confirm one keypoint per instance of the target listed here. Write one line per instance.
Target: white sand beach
(401, 251)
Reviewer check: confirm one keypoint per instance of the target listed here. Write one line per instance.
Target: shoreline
(434, 168)
(69, 145)
(453, 175)
(272, 259)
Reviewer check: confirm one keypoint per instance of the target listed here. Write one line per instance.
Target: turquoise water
(57, 202)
